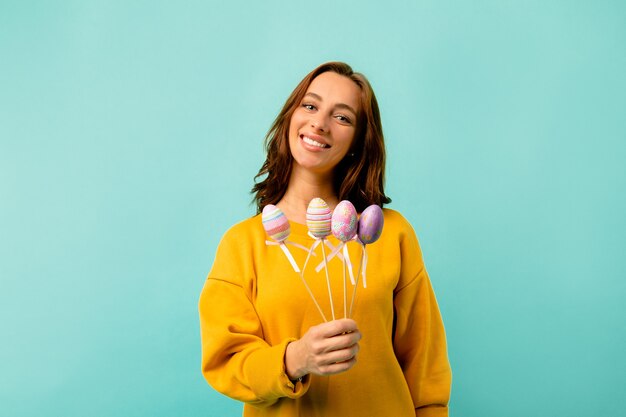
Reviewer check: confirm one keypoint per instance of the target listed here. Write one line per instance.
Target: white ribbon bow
(287, 252)
(336, 252)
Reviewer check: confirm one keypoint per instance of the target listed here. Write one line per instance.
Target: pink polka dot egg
(344, 221)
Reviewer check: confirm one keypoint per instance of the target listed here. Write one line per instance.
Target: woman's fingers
(326, 349)
(342, 341)
(336, 368)
(336, 327)
(338, 356)
(334, 346)
(334, 335)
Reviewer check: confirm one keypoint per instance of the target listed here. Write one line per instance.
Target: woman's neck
(303, 187)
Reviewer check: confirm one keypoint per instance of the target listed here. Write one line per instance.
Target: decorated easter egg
(275, 223)
(318, 218)
(371, 224)
(344, 221)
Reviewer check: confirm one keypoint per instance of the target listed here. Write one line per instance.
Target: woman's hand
(326, 349)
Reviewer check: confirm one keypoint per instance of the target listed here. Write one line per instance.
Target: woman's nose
(318, 123)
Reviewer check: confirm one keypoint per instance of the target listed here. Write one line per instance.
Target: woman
(263, 339)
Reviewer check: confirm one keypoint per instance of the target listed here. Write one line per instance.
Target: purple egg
(344, 221)
(371, 224)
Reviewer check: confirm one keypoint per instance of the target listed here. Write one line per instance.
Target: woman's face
(323, 126)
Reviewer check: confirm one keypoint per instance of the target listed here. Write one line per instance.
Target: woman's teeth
(313, 142)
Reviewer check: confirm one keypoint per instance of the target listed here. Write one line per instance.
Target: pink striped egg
(371, 224)
(318, 218)
(275, 223)
(344, 221)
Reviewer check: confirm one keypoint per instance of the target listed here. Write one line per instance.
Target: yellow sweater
(253, 304)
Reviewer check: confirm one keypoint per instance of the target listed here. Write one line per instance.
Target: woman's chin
(312, 166)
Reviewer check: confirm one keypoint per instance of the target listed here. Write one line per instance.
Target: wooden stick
(307, 285)
(345, 300)
(356, 285)
(330, 295)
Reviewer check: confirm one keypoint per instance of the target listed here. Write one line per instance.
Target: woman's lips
(314, 142)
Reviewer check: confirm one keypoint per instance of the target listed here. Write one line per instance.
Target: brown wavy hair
(359, 177)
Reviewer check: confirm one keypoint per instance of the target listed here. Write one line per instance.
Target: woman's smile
(315, 141)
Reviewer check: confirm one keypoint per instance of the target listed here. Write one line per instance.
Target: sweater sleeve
(236, 360)
(419, 336)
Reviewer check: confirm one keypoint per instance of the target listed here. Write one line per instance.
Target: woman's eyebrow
(338, 105)
(315, 96)
(345, 106)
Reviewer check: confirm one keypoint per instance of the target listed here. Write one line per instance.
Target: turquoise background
(130, 133)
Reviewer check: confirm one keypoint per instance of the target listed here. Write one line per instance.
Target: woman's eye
(308, 106)
(343, 118)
